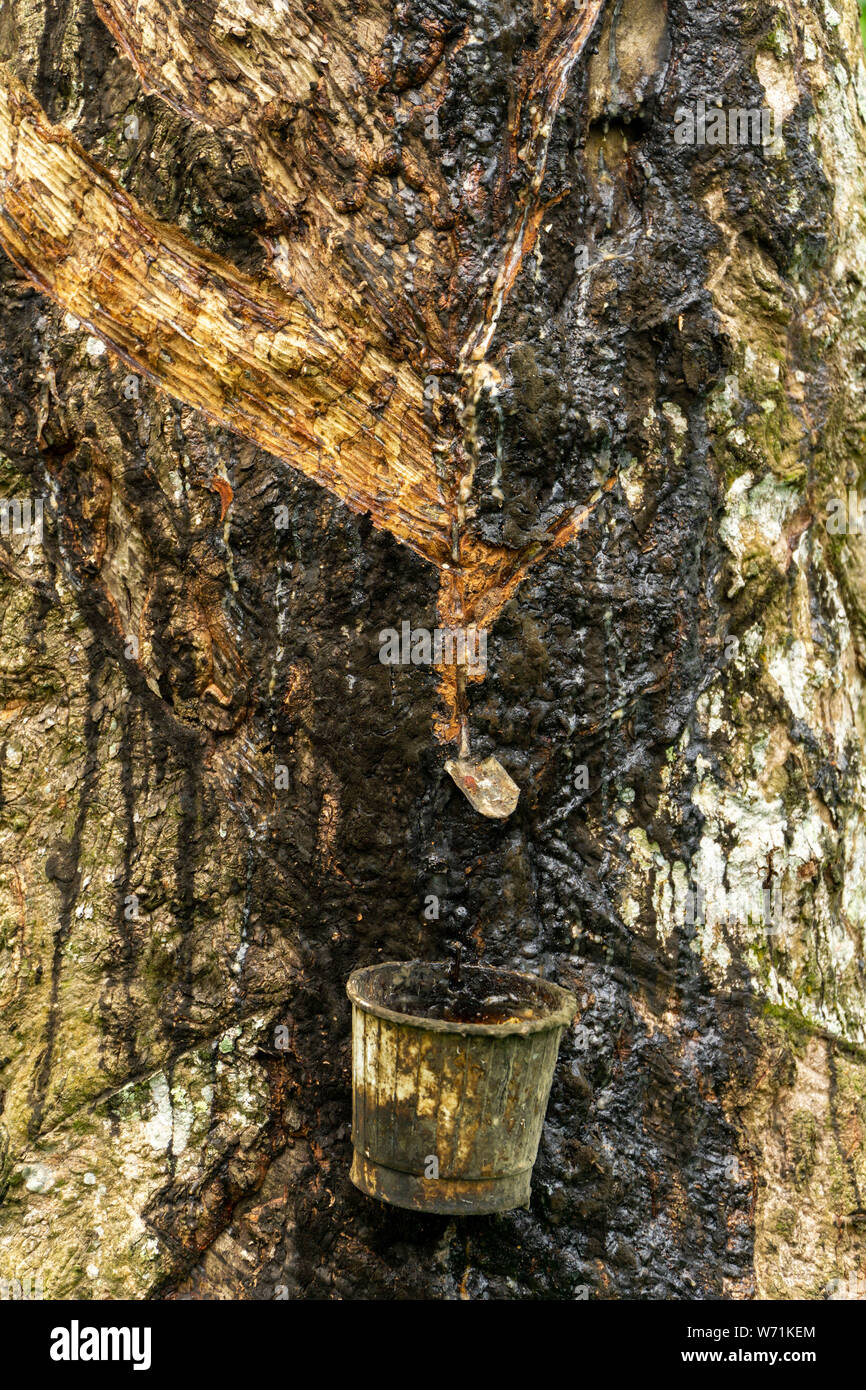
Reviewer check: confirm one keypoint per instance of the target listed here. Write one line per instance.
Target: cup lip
(560, 1015)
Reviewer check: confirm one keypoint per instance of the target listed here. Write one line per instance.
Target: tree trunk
(322, 319)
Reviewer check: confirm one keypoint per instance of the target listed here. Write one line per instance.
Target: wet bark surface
(205, 829)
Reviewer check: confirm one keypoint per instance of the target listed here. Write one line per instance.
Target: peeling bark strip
(314, 393)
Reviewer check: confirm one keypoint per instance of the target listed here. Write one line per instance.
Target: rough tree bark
(320, 318)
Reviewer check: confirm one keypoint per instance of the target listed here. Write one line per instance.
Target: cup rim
(563, 1004)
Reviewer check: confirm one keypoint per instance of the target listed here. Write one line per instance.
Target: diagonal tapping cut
(276, 79)
(244, 351)
(309, 376)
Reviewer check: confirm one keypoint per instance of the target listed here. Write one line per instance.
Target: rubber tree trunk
(321, 320)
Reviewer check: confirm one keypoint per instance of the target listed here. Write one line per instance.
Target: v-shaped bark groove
(316, 363)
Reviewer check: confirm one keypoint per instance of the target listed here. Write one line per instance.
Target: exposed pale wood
(323, 361)
(362, 216)
(310, 390)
